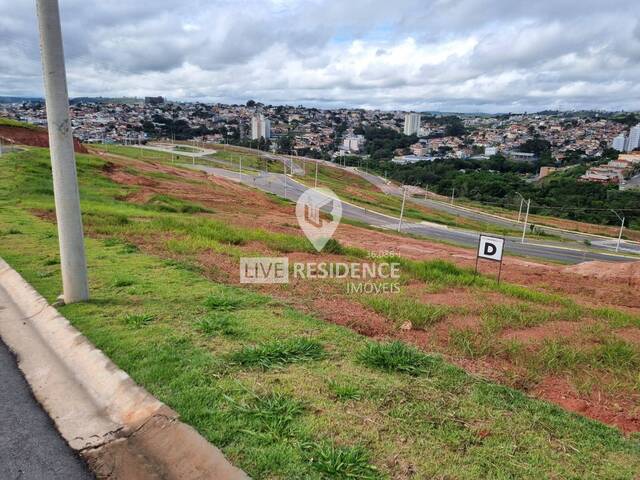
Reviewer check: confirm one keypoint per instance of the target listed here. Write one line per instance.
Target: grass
(278, 353)
(397, 357)
(273, 413)
(334, 461)
(9, 122)
(166, 203)
(219, 324)
(470, 343)
(401, 309)
(291, 396)
(138, 320)
(344, 391)
(232, 299)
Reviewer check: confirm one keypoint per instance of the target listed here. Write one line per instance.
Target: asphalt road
(291, 189)
(168, 148)
(579, 240)
(30, 446)
(598, 242)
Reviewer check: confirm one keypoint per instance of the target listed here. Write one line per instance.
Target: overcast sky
(447, 55)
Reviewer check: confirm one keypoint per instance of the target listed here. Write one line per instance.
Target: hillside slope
(306, 381)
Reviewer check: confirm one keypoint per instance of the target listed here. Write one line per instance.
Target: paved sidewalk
(30, 446)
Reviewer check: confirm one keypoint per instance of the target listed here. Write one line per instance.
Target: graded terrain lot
(454, 377)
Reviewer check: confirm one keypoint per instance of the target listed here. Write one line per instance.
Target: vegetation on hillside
(282, 393)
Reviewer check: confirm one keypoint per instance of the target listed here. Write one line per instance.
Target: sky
(443, 55)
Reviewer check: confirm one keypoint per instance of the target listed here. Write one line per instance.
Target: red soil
(622, 412)
(34, 137)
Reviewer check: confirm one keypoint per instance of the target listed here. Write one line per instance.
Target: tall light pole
(453, 195)
(521, 203)
(285, 179)
(526, 219)
(621, 228)
(73, 262)
(404, 197)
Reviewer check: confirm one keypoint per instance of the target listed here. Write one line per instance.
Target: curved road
(288, 188)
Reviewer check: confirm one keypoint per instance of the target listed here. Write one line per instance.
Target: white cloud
(440, 54)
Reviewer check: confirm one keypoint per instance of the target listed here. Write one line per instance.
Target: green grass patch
(397, 357)
(334, 461)
(219, 324)
(167, 203)
(344, 391)
(279, 353)
(138, 320)
(400, 309)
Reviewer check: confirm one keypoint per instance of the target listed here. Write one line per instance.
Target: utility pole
(622, 219)
(526, 219)
(240, 166)
(426, 192)
(404, 197)
(453, 194)
(73, 262)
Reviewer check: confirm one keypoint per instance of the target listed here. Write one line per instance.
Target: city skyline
(467, 56)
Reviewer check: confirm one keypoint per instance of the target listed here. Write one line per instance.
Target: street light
(522, 200)
(404, 197)
(621, 228)
(526, 219)
(73, 262)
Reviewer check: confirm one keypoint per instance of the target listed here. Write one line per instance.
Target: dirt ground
(36, 137)
(593, 284)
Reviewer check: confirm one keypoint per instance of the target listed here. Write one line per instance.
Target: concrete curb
(121, 430)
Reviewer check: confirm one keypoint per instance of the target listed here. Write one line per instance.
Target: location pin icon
(312, 209)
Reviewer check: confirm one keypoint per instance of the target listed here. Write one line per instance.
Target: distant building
(406, 159)
(420, 148)
(619, 143)
(633, 141)
(153, 100)
(260, 127)
(522, 156)
(353, 143)
(489, 151)
(613, 172)
(411, 123)
(546, 171)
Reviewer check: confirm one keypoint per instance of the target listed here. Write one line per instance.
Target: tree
(285, 144)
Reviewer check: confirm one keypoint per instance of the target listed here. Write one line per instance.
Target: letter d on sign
(491, 248)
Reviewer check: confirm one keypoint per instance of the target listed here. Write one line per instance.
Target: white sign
(308, 210)
(490, 248)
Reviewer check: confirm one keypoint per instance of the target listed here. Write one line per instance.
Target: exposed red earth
(34, 137)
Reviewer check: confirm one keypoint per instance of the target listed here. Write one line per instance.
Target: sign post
(490, 248)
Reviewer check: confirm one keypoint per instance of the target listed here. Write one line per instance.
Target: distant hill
(124, 100)
(21, 99)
